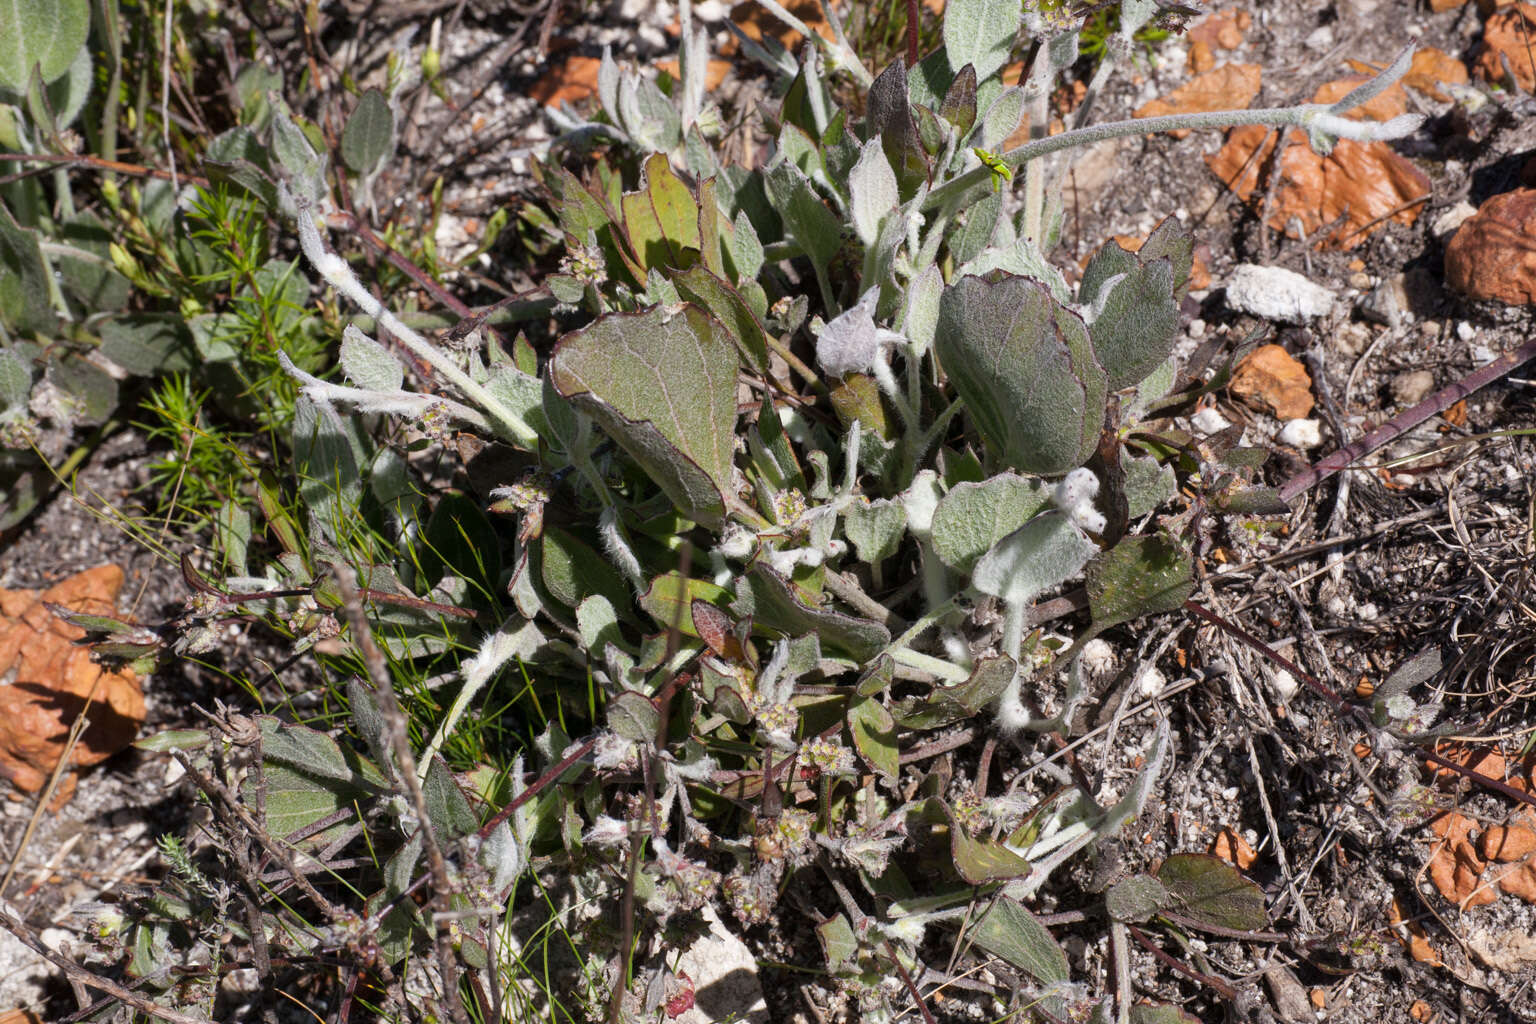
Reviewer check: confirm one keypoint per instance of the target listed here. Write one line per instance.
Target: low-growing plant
(803, 488)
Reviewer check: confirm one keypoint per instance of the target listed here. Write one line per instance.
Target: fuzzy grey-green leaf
(1024, 367)
(369, 134)
(43, 33)
(1044, 552)
(973, 517)
(369, 364)
(980, 33)
(1135, 328)
(1139, 576)
(1013, 933)
(662, 383)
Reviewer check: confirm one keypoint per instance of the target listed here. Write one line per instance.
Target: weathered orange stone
(1493, 255)
(52, 680)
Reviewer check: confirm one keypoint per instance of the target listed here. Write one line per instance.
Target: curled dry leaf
(571, 79)
(1383, 107)
(755, 22)
(1413, 936)
(1431, 68)
(1225, 88)
(1455, 867)
(1222, 29)
(1231, 847)
(714, 72)
(1507, 38)
(1353, 190)
(52, 680)
(1271, 379)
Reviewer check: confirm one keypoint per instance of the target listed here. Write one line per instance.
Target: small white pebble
(1368, 611)
(1303, 434)
(1465, 331)
(1483, 354)
(1284, 685)
(1209, 421)
(1229, 794)
(1197, 329)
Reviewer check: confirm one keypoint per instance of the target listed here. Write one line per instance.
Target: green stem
(959, 190)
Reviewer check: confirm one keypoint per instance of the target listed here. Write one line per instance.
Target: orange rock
(1201, 58)
(1356, 188)
(1441, 6)
(1519, 881)
(1508, 844)
(1432, 68)
(714, 72)
(1271, 379)
(1231, 847)
(1492, 255)
(51, 681)
(1223, 29)
(1420, 1010)
(1227, 87)
(1382, 107)
(1507, 37)
(571, 80)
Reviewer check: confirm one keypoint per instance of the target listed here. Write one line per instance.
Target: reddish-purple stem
(1405, 421)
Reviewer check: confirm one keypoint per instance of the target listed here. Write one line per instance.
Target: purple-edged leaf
(1209, 891)
(662, 383)
(980, 861)
(771, 599)
(1139, 576)
(888, 117)
(1024, 366)
(1011, 932)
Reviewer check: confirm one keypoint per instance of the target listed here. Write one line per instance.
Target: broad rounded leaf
(973, 517)
(662, 383)
(633, 716)
(1139, 576)
(875, 529)
(980, 33)
(1135, 899)
(1044, 552)
(1011, 932)
(1209, 891)
(1024, 367)
(670, 601)
(1135, 329)
(42, 33)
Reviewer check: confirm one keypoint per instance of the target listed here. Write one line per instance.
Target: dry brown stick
(405, 769)
(92, 980)
(217, 792)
